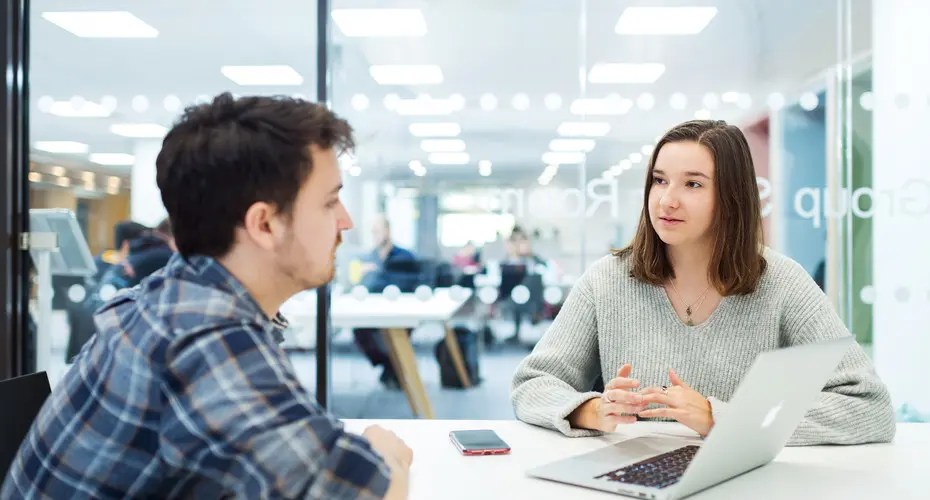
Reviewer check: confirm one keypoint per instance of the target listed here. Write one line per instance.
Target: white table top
(882, 471)
(377, 310)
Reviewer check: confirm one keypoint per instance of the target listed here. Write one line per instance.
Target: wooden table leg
(406, 365)
(396, 364)
(455, 351)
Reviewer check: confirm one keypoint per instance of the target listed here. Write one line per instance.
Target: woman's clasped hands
(620, 405)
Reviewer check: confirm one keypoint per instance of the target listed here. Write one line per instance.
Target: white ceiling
(502, 47)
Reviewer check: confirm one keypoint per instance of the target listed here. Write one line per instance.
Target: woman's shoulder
(611, 270)
(779, 265)
(784, 275)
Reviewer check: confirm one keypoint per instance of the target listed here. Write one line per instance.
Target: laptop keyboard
(656, 472)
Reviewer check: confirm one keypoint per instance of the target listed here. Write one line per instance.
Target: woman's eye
(658, 180)
(694, 184)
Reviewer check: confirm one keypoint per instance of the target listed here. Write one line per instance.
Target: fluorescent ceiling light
(560, 157)
(584, 129)
(78, 109)
(113, 159)
(626, 72)
(610, 106)
(61, 147)
(262, 75)
(435, 129)
(139, 130)
(664, 20)
(92, 24)
(380, 22)
(585, 145)
(442, 145)
(449, 158)
(424, 106)
(410, 74)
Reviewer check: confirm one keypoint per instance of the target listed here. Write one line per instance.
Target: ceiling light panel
(113, 159)
(442, 145)
(139, 130)
(424, 106)
(609, 106)
(585, 145)
(78, 108)
(584, 129)
(435, 129)
(562, 157)
(449, 158)
(664, 20)
(407, 74)
(380, 22)
(64, 147)
(262, 75)
(101, 24)
(626, 72)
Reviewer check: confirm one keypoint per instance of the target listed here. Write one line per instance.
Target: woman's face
(682, 198)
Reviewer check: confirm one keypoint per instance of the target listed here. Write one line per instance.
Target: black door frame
(323, 337)
(14, 192)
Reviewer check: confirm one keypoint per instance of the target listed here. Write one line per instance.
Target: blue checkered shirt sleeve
(237, 414)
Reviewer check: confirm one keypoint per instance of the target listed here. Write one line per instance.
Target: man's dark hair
(737, 264)
(127, 230)
(222, 157)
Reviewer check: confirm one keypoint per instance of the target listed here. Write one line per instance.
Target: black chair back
(21, 398)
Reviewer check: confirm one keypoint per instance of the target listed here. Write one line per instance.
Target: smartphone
(479, 442)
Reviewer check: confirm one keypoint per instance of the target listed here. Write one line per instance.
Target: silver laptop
(759, 420)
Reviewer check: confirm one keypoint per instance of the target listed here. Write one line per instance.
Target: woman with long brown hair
(674, 320)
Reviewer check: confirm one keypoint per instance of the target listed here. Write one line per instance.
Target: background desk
(881, 471)
(393, 316)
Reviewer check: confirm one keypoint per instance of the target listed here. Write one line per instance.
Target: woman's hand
(681, 403)
(615, 406)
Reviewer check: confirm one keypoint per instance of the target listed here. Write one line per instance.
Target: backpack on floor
(468, 343)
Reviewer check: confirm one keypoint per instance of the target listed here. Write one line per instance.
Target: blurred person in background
(378, 274)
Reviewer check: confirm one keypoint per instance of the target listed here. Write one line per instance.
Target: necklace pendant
(688, 310)
(690, 323)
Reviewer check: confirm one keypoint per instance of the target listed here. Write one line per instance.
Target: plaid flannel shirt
(185, 393)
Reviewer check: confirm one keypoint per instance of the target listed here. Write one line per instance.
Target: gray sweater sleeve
(855, 405)
(557, 376)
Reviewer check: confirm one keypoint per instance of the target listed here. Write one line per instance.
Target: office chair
(21, 399)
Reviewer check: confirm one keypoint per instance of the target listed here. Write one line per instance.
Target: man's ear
(261, 225)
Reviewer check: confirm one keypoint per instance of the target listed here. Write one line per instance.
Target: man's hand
(395, 452)
(681, 403)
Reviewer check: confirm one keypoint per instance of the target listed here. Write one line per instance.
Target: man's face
(380, 233)
(307, 252)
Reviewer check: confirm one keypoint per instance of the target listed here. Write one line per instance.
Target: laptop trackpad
(618, 455)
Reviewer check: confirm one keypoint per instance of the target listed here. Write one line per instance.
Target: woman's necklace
(688, 310)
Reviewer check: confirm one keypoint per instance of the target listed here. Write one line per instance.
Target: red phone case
(481, 452)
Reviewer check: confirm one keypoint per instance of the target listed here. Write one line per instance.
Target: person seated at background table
(674, 320)
(124, 232)
(184, 392)
(521, 261)
(80, 313)
(379, 272)
(144, 252)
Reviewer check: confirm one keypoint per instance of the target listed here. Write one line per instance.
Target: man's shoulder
(173, 304)
(401, 253)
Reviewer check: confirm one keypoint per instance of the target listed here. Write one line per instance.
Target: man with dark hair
(184, 391)
(123, 233)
